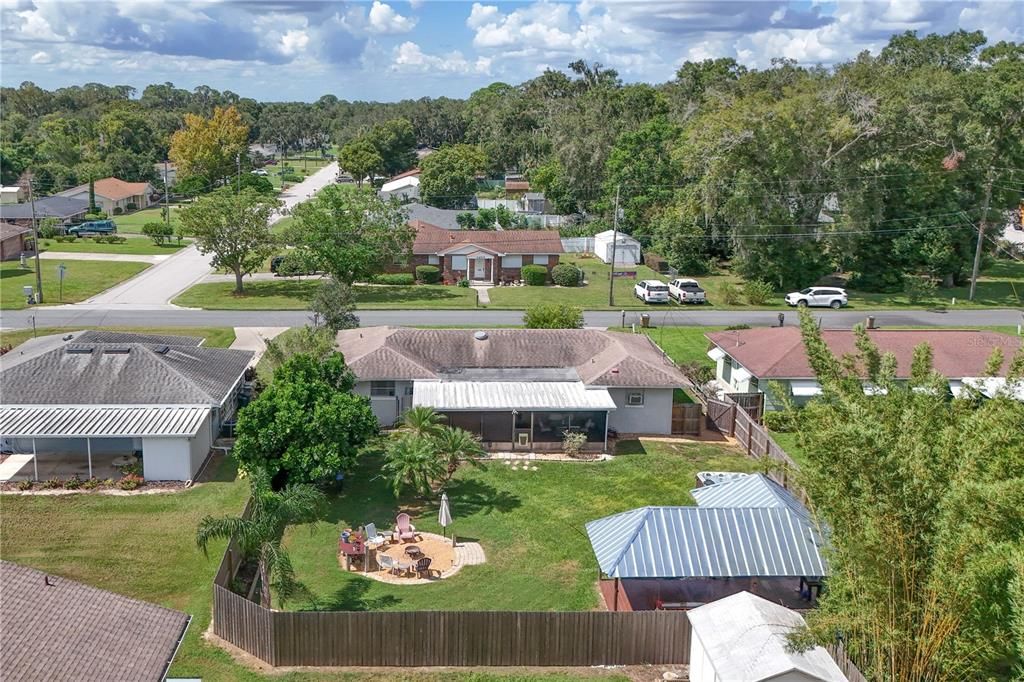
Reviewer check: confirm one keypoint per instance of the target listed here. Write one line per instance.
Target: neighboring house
(64, 209)
(746, 637)
(12, 240)
(444, 218)
(112, 193)
(627, 249)
(516, 183)
(488, 256)
(404, 186)
(102, 395)
(518, 389)
(535, 202)
(747, 359)
(11, 195)
(532, 203)
(60, 629)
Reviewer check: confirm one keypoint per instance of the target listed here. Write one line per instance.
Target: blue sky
(302, 49)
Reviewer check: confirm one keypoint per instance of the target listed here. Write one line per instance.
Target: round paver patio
(445, 562)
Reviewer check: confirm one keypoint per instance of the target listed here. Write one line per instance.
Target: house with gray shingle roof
(100, 397)
(518, 389)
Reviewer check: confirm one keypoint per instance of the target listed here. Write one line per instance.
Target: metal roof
(752, 490)
(699, 542)
(510, 395)
(71, 421)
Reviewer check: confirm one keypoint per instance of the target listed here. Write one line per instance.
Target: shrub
(133, 469)
(132, 207)
(91, 483)
(428, 274)
(535, 275)
(73, 483)
(49, 228)
(97, 215)
(25, 485)
(464, 283)
(116, 239)
(107, 483)
(736, 327)
(130, 482)
(757, 292)
(655, 262)
(698, 372)
(118, 210)
(917, 288)
(565, 275)
(397, 279)
(51, 483)
(729, 293)
(553, 316)
(160, 233)
(293, 264)
(573, 442)
(291, 177)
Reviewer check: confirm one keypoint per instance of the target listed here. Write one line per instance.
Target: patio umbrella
(444, 514)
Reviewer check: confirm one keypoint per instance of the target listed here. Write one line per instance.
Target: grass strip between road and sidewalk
(82, 279)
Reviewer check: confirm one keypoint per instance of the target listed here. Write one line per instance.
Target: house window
(382, 389)
(727, 370)
(635, 399)
(512, 262)
(541, 259)
(432, 259)
(408, 389)
(459, 263)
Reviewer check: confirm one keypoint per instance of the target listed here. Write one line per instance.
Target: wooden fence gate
(687, 420)
(751, 403)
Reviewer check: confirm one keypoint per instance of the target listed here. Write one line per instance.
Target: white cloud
(384, 19)
(408, 57)
(294, 41)
(481, 15)
(41, 57)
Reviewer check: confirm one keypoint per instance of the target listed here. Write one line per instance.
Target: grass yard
(304, 166)
(216, 337)
(135, 246)
(295, 294)
(132, 223)
(530, 524)
(83, 278)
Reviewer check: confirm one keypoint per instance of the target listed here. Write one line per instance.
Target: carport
(173, 439)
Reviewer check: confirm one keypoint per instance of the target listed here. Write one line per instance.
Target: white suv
(651, 291)
(818, 296)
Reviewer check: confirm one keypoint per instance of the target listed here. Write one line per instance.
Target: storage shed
(744, 638)
(627, 249)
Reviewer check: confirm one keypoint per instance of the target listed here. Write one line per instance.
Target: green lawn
(304, 166)
(216, 337)
(789, 443)
(82, 279)
(530, 523)
(293, 294)
(132, 223)
(594, 295)
(135, 246)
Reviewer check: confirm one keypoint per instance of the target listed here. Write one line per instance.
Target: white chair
(372, 536)
(387, 563)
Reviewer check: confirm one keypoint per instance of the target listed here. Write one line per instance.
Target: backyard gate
(751, 403)
(687, 420)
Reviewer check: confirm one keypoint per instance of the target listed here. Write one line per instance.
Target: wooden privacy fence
(687, 420)
(451, 638)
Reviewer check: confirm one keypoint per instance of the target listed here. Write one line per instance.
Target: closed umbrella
(444, 514)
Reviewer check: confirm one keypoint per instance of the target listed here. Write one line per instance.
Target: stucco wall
(653, 417)
(199, 446)
(387, 409)
(166, 459)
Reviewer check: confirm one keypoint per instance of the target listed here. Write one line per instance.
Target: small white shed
(742, 638)
(627, 249)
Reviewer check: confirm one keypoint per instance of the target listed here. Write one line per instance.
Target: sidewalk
(255, 339)
(116, 257)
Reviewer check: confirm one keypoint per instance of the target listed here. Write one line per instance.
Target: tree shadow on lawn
(408, 294)
(11, 273)
(352, 597)
(283, 288)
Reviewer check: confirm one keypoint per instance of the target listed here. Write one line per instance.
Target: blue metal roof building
(752, 490)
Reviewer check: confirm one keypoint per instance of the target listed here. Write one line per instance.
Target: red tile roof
(517, 186)
(431, 239)
(115, 189)
(778, 352)
(406, 174)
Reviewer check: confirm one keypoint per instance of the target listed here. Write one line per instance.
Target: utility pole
(167, 193)
(35, 243)
(238, 173)
(615, 243)
(982, 224)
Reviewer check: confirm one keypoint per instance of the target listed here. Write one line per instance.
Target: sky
(286, 50)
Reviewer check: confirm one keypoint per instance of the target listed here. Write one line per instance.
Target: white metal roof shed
(744, 637)
(70, 421)
(510, 395)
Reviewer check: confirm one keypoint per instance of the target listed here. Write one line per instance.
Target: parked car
(260, 172)
(344, 178)
(686, 291)
(651, 291)
(94, 227)
(818, 297)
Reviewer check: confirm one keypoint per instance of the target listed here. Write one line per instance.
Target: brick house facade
(481, 255)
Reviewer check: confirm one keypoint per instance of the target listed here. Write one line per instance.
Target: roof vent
(162, 350)
(480, 336)
(117, 350)
(79, 350)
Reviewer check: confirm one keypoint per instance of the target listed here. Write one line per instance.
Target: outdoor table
(413, 552)
(353, 550)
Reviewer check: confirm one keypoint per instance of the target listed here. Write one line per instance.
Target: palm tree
(411, 460)
(422, 421)
(260, 535)
(455, 445)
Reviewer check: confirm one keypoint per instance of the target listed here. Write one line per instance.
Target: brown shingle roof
(778, 352)
(70, 631)
(431, 239)
(8, 230)
(600, 358)
(114, 189)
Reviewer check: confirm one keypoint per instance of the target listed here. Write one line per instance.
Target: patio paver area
(465, 554)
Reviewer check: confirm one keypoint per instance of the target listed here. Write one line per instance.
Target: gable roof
(431, 239)
(7, 230)
(752, 490)
(745, 638)
(778, 352)
(66, 630)
(442, 218)
(599, 358)
(701, 542)
(47, 207)
(114, 189)
(104, 336)
(125, 374)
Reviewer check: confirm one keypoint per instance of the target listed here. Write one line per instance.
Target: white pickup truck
(686, 291)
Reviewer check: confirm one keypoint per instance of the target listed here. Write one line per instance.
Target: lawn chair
(406, 531)
(423, 567)
(372, 536)
(387, 563)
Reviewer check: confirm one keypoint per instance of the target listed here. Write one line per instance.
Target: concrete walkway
(482, 296)
(115, 257)
(255, 339)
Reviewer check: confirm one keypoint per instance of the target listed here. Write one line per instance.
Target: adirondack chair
(423, 567)
(406, 531)
(387, 563)
(372, 536)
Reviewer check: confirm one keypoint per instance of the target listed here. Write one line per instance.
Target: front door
(479, 268)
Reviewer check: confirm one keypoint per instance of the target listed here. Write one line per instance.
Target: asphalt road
(129, 316)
